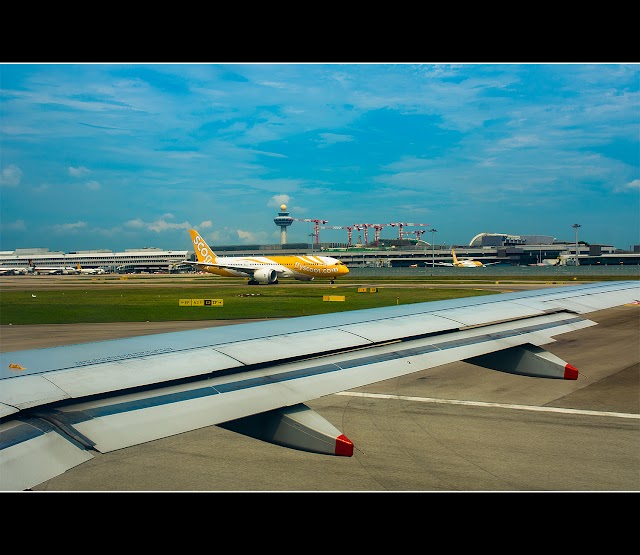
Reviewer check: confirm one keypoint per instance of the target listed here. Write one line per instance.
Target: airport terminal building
(130, 260)
(505, 249)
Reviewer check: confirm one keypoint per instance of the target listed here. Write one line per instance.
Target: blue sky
(119, 156)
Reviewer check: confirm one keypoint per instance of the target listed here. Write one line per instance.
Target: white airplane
(62, 406)
(55, 270)
(265, 269)
(14, 270)
(90, 271)
(464, 262)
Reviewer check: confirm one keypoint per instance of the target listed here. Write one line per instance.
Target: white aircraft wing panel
(27, 391)
(391, 329)
(23, 392)
(277, 347)
(580, 298)
(489, 312)
(92, 380)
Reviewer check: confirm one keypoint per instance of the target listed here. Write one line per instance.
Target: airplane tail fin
(203, 251)
(455, 258)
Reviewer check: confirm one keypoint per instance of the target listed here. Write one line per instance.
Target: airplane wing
(247, 270)
(265, 274)
(62, 406)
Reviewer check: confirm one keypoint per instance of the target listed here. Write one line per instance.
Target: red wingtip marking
(570, 372)
(344, 447)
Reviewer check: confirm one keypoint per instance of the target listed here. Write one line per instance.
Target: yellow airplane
(265, 269)
(464, 263)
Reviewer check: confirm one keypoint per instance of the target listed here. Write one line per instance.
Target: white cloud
(80, 171)
(276, 200)
(18, 225)
(11, 176)
(136, 224)
(250, 237)
(162, 225)
(70, 227)
(333, 138)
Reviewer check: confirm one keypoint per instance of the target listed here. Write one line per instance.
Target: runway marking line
(490, 405)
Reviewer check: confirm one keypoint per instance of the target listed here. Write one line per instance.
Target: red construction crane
(349, 229)
(401, 225)
(365, 227)
(376, 228)
(316, 227)
(419, 232)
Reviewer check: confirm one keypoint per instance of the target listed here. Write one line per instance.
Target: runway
(455, 428)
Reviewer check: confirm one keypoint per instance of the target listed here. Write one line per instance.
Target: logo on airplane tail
(203, 251)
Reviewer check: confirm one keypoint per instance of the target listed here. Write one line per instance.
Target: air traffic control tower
(284, 221)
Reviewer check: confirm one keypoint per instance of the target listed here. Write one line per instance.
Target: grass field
(153, 298)
(140, 303)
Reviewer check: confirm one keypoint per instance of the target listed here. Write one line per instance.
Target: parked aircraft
(61, 406)
(14, 270)
(265, 269)
(90, 271)
(464, 262)
(55, 270)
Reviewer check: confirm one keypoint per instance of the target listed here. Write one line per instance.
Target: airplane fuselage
(286, 266)
(55, 270)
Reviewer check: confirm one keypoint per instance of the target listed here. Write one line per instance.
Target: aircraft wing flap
(23, 448)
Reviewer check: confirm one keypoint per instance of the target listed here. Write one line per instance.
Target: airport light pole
(576, 226)
(433, 251)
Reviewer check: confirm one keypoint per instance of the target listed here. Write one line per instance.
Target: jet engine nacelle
(265, 275)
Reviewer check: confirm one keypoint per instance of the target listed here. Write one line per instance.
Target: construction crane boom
(376, 231)
(401, 225)
(316, 227)
(349, 229)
